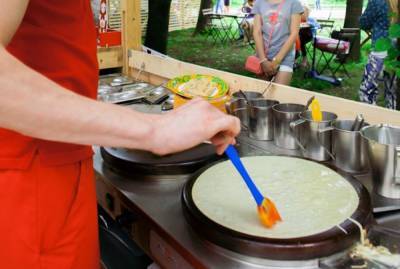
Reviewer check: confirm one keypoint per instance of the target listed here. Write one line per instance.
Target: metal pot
(384, 155)
(238, 101)
(238, 108)
(349, 150)
(249, 94)
(261, 120)
(284, 114)
(315, 144)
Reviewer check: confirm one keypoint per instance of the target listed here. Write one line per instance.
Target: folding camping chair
(339, 50)
(213, 30)
(246, 25)
(247, 28)
(338, 47)
(326, 27)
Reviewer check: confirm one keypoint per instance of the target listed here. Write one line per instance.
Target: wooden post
(131, 29)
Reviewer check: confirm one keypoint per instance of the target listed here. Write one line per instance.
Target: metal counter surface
(158, 201)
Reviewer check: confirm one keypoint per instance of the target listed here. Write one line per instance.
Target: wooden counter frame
(159, 69)
(117, 56)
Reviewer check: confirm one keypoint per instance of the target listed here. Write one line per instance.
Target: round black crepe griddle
(303, 248)
(129, 161)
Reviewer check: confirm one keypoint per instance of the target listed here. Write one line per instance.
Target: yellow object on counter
(212, 89)
(197, 85)
(316, 110)
(218, 103)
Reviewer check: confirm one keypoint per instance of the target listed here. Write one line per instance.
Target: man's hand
(192, 124)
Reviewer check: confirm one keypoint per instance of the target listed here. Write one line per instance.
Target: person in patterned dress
(376, 20)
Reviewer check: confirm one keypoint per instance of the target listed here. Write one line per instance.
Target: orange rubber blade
(316, 110)
(268, 213)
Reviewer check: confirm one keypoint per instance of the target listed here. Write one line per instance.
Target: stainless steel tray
(123, 97)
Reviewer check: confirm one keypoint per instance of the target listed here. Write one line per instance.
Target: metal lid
(127, 161)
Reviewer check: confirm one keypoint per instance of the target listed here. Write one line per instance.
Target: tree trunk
(353, 13)
(157, 25)
(202, 20)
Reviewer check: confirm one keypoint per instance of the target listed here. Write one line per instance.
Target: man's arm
(37, 107)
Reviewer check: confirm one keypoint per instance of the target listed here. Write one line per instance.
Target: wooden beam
(131, 29)
(109, 57)
(158, 69)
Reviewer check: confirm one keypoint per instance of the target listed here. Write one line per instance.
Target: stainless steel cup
(284, 114)
(243, 116)
(249, 94)
(384, 156)
(349, 149)
(238, 108)
(261, 119)
(315, 144)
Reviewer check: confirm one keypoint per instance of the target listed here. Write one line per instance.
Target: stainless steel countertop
(159, 202)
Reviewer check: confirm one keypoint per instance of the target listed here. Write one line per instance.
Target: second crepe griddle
(136, 161)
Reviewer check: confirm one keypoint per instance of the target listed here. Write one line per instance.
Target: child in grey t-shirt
(278, 22)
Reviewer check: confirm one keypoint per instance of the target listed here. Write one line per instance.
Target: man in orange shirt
(48, 120)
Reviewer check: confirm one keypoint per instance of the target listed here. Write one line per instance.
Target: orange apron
(48, 217)
(48, 207)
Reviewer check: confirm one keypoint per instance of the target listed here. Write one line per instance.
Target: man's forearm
(35, 106)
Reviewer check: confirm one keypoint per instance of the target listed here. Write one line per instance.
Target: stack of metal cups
(255, 114)
(384, 155)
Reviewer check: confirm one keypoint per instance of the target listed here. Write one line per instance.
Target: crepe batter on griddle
(310, 197)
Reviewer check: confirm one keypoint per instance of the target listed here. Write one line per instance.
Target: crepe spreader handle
(235, 159)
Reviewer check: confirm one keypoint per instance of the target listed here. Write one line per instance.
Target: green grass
(230, 57)
(311, 3)
(334, 3)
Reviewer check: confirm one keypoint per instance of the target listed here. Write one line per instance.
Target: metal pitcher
(284, 114)
(315, 144)
(349, 149)
(249, 94)
(261, 120)
(237, 105)
(384, 156)
(238, 108)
